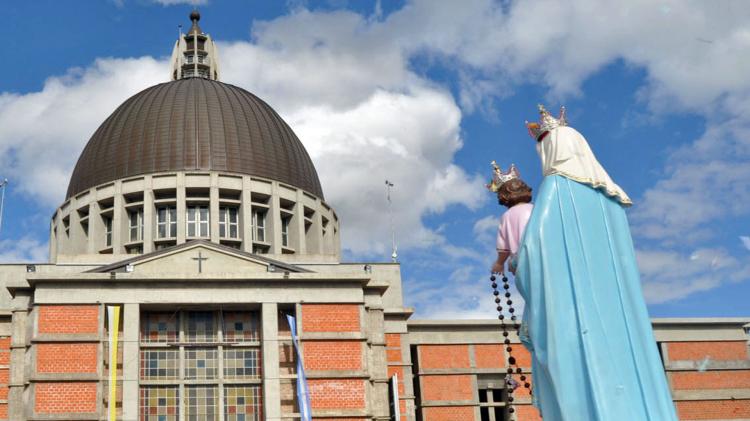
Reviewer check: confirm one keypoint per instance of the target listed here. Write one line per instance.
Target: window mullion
(181, 338)
(220, 356)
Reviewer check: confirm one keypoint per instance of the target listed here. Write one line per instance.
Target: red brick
(711, 380)
(709, 410)
(694, 351)
(447, 388)
(393, 340)
(66, 357)
(393, 355)
(4, 376)
(522, 355)
(527, 413)
(4, 411)
(4, 393)
(332, 355)
(489, 356)
(5, 343)
(69, 319)
(330, 318)
(337, 393)
(448, 413)
(444, 356)
(4, 357)
(72, 397)
(522, 391)
(398, 371)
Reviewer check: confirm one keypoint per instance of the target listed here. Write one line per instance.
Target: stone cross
(200, 260)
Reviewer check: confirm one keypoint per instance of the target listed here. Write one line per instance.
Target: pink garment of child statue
(512, 224)
(515, 195)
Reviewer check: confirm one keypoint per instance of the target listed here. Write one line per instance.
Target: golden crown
(546, 122)
(499, 177)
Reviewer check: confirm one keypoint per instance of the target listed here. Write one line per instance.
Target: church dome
(194, 124)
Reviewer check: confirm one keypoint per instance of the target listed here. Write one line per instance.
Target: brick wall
(68, 397)
(447, 388)
(330, 318)
(66, 357)
(711, 410)
(4, 374)
(721, 351)
(333, 355)
(724, 379)
(449, 413)
(337, 393)
(444, 356)
(68, 319)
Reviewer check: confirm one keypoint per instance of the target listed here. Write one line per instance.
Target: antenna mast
(394, 254)
(2, 199)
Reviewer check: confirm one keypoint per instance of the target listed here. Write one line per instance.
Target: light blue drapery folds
(594, 356)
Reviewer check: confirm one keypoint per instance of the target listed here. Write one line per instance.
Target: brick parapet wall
(4, 375)
(66, 355)
(65, 397)
(331, 318)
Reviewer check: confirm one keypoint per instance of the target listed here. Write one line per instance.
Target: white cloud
(745, 241)
(42, 133)
(25, 249)
(485, 230)
(670, 275)
(345, 83)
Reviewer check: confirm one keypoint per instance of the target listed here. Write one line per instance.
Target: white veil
(564, 151)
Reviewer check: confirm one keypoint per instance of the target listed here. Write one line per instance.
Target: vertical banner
(395, 398)
(303, 393)
(113, 315)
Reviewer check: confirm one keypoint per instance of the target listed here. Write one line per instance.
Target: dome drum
(146, 213)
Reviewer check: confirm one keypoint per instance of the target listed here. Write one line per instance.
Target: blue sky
(426, 94)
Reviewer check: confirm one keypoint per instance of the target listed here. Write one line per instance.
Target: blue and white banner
(303, 393)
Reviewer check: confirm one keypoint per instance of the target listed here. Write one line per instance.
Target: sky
(425, 93)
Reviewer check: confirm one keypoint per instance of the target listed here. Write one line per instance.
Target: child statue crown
(499, 177)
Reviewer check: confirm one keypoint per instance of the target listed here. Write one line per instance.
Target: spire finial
(195, 16)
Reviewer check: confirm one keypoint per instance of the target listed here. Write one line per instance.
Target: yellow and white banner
(113, 315)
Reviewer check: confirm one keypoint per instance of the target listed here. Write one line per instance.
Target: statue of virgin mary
(594, 356)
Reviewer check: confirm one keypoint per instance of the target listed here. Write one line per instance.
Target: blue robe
(594, 356)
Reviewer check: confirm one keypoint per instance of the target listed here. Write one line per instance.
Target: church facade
(193, 226)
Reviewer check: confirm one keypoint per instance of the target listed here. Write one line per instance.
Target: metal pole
(2, 200)
(394, 254)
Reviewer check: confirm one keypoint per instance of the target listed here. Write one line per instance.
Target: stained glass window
(242, 403)
(160, 364)
(241, 363)
(200, 327)
(180, 358)
(241, 326)
(200, 363)
(160, 403)
(200, 404)
(159, 327)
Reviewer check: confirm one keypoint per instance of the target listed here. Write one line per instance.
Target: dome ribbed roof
(194, 124)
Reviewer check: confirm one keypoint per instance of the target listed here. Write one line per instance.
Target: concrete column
(270, 344)
(130, 361)
(95, 228)
(20, 340)
(181, 209)
(213, 209)
(149, 217)
(119, 219)
(273, 221)
(246, 216)
(298, 228)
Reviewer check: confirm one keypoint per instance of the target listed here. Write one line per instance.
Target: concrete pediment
(199, 258)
